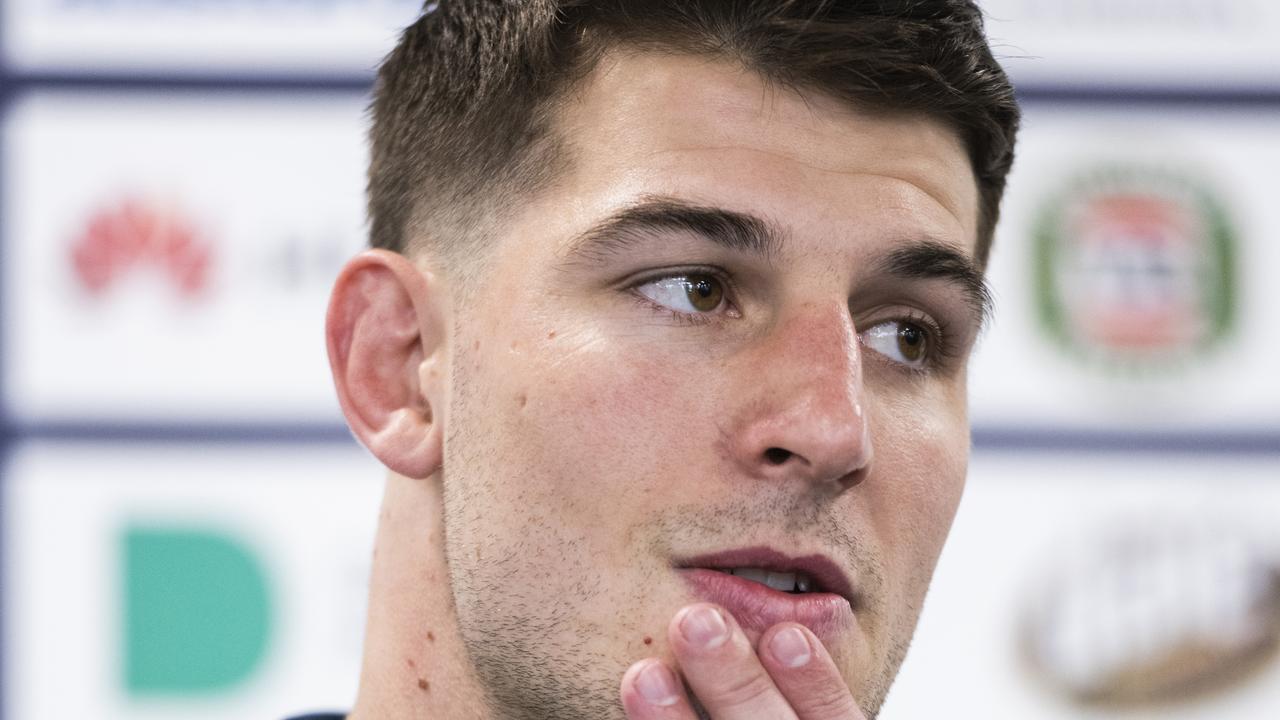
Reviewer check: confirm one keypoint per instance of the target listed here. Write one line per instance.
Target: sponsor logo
(133, 235)
(1151, 611)
(1135, 268)
(197, 612)
(303, 260)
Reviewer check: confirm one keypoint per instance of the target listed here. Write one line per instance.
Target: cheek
(586, 420)
(921, 459)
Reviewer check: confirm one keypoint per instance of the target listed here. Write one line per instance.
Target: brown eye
(704, 292)
(903, 342)
(912, 342)
(693, 294)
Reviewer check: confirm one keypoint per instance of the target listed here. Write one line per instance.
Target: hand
(791, 676)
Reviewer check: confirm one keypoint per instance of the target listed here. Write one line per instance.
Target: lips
(828, 611)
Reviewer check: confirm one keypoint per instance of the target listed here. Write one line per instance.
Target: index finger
(805, 674)
(721, 668)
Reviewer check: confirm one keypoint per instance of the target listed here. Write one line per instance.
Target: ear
(386, 336)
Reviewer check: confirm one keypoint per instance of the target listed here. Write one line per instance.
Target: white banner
(313, 37)
(170, 258)
(1153, 566)
(185, 581)
(1187, 44)
(1133, 272)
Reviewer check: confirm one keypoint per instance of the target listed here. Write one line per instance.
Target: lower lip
(759, 607)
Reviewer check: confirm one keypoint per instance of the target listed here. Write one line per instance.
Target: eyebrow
(636, 224)
(933, 260)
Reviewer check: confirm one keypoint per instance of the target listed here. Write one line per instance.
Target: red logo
(132, 234)
(1139, 282)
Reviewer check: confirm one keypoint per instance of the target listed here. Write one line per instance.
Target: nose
(803, 415)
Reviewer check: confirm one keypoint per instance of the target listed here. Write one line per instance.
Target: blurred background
(186, 523)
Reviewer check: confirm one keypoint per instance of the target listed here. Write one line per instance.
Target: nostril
(776, 455)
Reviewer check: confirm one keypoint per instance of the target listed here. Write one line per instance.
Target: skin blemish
(648, 640)
(476, 346)
(522, 399)
(431, 637)
(551, 335)
(410, 662)
(423, 685)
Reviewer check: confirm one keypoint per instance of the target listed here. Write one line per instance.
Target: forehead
(710, 130)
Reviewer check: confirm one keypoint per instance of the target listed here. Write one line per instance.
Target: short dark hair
(464, 107)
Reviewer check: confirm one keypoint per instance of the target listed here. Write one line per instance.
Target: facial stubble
(527, 654)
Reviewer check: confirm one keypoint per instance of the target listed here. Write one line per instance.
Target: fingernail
(790, 647)
(657, 685)
(703, 627)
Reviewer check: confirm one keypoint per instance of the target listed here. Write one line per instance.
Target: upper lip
(821, 568)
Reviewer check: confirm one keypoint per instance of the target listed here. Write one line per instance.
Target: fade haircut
(464, 107)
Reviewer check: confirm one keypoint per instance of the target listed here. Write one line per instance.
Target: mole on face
(423, 685)
(431, 636)
(648, 640)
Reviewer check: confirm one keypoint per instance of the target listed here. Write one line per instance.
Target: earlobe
(384, 327)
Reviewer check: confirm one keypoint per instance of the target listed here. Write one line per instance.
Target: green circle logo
(1134, 268)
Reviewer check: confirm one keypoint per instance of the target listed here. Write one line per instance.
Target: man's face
(627, 395)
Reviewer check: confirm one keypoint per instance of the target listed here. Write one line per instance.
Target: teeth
(786, 582)
(752, 574)
(783, 581)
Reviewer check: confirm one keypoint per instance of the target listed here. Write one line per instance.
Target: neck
(415, 664)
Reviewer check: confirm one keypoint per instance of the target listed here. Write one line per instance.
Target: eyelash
(689, 319)
(941, 351)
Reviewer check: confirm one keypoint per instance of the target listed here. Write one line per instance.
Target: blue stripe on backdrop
(1223, 97)
(1242, 442)
(160, 81)
(179, 432)
(1219, 96)
(985, 438)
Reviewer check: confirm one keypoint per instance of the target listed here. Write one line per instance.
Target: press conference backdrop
(186, 525)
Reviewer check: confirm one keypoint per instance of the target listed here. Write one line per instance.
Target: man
(664, 346)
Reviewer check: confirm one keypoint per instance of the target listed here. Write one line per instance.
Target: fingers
(805, 674)
(791, 675)
(721, 668)
(650, 691)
